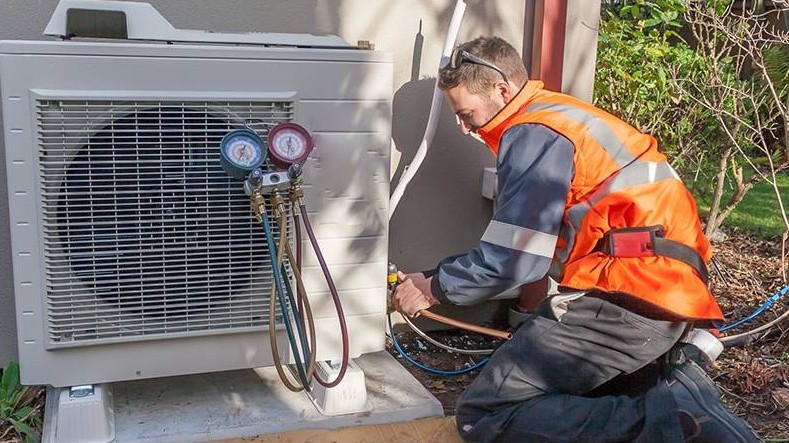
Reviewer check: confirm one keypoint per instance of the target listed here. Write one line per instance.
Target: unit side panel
(346, 183)
(21, 167)
(347, 194)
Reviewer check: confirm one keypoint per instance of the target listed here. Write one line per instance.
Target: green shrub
(776, 59)
(699, 77)
(640, 53)
(20, 411)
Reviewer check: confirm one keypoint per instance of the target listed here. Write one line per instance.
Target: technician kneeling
(587, 199)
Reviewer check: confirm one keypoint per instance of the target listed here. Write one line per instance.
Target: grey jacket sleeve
(535, 168)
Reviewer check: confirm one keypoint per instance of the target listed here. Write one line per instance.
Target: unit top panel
(125, 49)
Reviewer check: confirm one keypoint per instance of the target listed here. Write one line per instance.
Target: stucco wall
(442, 211)
(580, 49)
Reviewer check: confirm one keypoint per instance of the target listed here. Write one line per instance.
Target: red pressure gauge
(289, 143)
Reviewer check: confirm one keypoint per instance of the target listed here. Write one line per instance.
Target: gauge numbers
(289, 143)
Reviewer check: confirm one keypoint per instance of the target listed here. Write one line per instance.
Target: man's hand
(412, 294)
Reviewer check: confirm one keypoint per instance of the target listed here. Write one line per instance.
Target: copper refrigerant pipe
(467, 326)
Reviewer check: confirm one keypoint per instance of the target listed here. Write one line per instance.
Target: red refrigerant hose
(335, 297)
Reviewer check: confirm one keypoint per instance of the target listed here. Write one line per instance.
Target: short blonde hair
(479, 78)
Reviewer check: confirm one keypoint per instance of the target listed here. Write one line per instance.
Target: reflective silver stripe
(520, 238)
(596, 127)
(640, 173)
(635, 174)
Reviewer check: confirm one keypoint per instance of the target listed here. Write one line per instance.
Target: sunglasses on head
(460, 56)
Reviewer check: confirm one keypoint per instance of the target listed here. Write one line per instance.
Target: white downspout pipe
(435, 109)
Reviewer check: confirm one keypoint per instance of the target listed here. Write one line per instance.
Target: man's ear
(506, 91)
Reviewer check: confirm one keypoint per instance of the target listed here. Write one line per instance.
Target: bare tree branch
(740, 93)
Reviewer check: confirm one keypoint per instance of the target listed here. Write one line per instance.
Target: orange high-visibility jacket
(620, 181)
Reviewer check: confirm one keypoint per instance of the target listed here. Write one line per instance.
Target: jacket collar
(492, 131)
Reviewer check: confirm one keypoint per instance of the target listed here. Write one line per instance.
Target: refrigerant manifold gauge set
(271, 172)
(264, 165)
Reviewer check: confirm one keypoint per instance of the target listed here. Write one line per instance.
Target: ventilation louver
(144, 232)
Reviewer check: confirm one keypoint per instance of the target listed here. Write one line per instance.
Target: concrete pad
(246, 403)
(434, 430)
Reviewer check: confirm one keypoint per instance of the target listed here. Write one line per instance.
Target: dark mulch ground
(754, 377)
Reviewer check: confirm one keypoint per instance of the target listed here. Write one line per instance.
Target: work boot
(703, 416)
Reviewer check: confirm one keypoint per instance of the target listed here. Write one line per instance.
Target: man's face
(474, 110)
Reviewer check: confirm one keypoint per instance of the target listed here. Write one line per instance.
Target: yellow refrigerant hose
(284, 248)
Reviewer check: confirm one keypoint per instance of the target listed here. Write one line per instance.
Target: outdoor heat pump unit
(134, 254)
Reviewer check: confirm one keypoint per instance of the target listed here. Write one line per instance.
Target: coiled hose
(277, 292)
(334, 295)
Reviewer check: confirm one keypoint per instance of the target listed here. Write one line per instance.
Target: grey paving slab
(242, 403)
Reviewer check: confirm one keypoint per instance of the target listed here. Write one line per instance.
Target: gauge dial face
(289, 143)
(243, 151)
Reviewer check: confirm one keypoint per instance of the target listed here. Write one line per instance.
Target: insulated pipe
(392, 281)
(435, 109)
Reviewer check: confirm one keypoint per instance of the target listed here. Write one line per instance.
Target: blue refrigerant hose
(424, 367)
(295, 306)
(280, 290)
(766, 305)
(769, 302)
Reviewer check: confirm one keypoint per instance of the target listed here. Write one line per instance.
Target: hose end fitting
(391, 276)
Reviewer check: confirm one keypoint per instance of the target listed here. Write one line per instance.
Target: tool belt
(649, 241)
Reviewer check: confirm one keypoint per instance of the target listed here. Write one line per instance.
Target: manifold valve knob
(294, 171)
(255, 176)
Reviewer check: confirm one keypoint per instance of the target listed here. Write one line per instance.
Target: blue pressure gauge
(242, 152)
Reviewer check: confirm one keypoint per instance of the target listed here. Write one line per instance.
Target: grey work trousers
(533, 387)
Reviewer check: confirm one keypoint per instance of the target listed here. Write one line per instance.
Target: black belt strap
(681, 252)
(649, 241)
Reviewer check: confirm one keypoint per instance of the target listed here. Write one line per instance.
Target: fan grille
(144, 235)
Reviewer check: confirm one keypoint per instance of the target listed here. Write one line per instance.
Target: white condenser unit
(134, 254)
